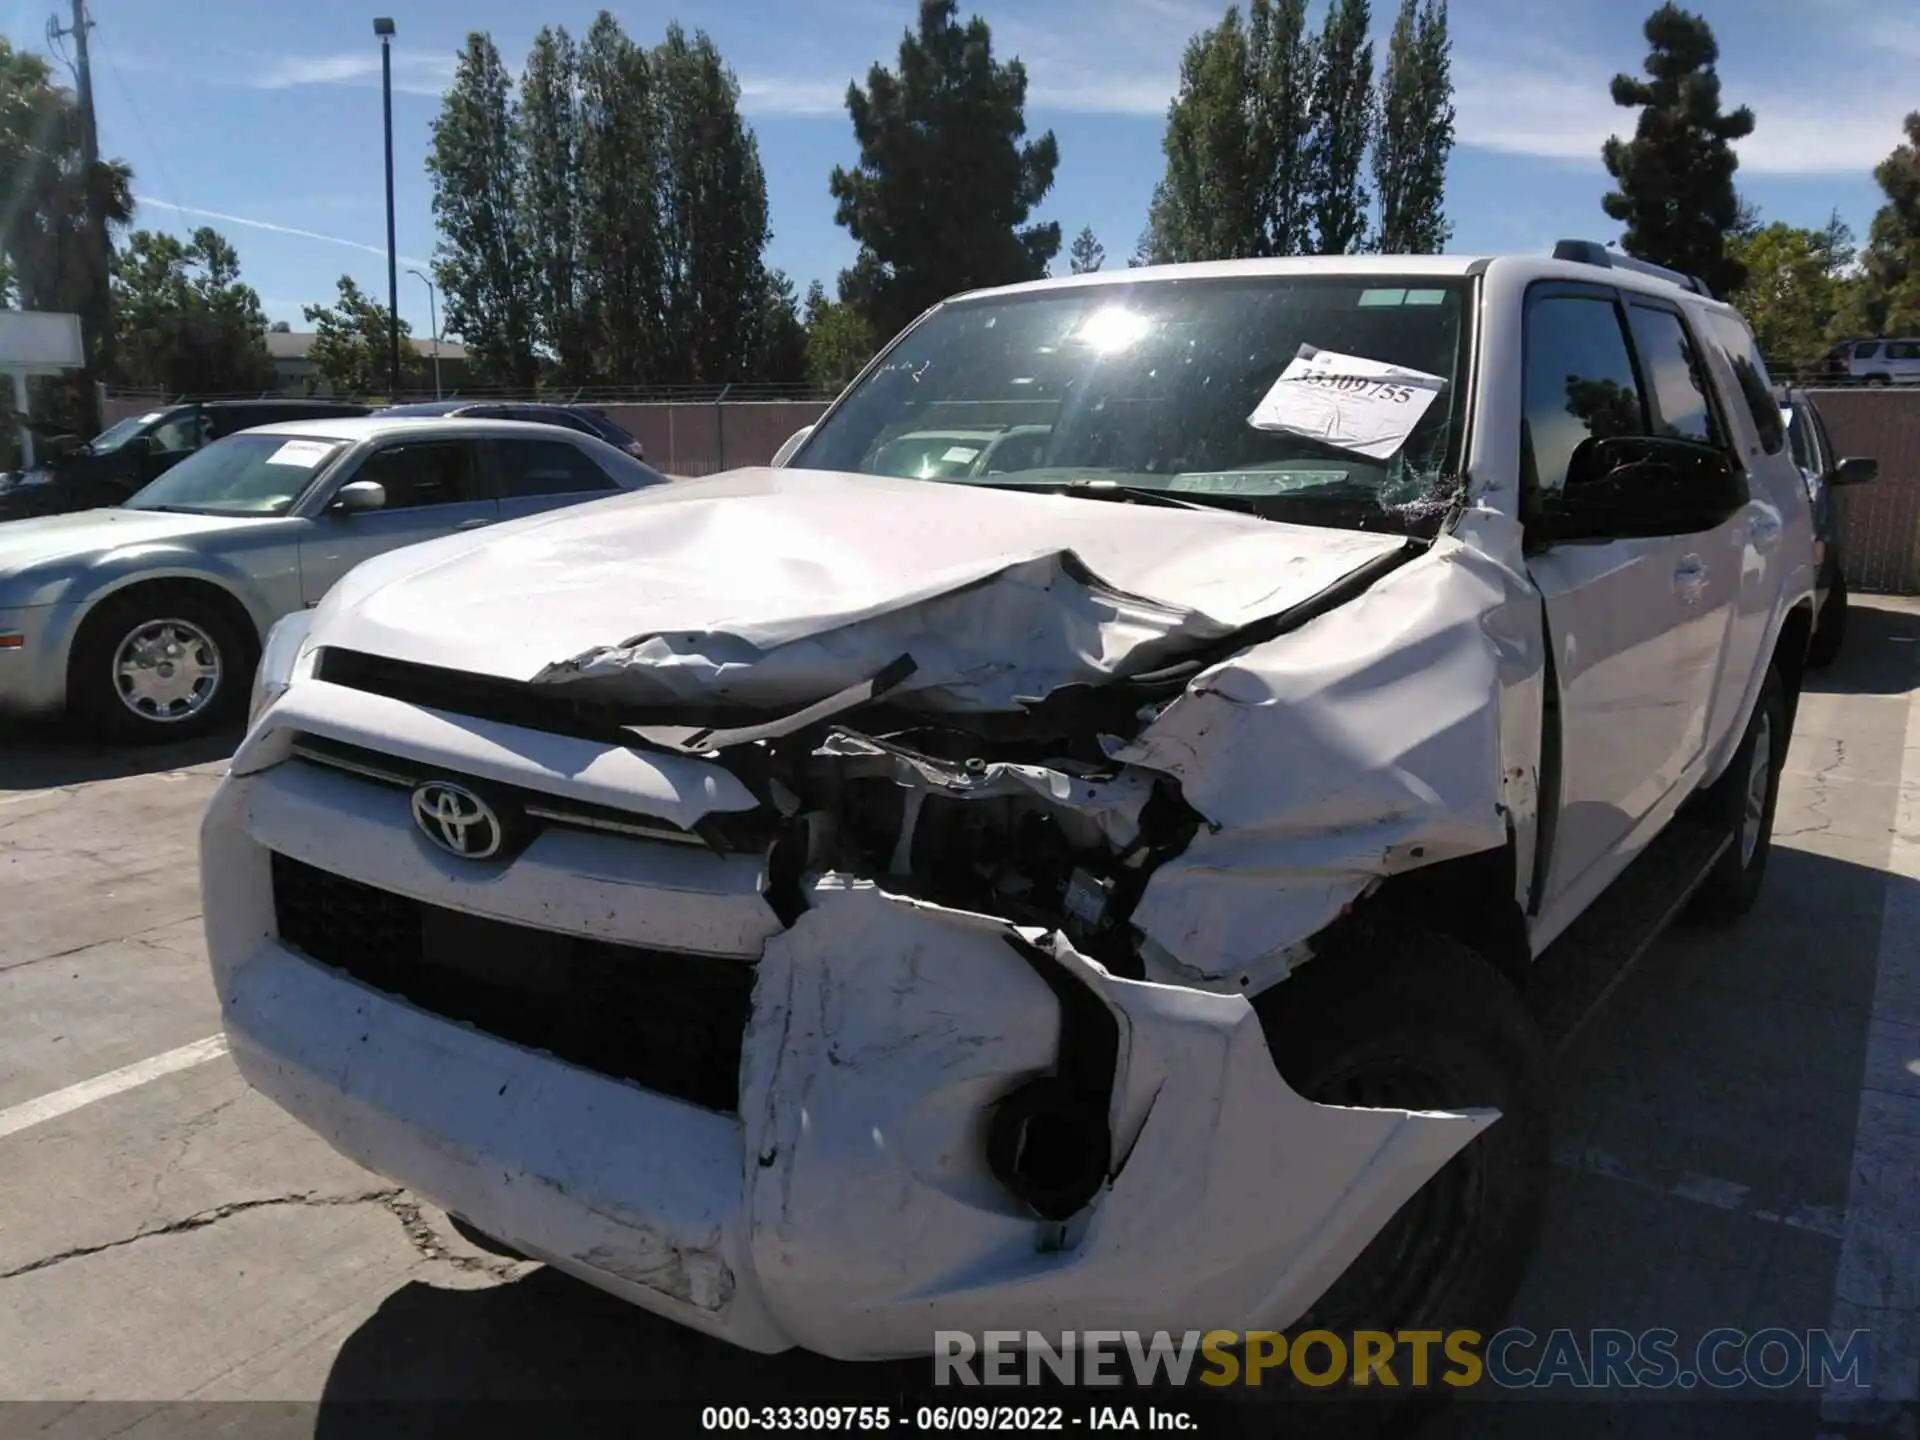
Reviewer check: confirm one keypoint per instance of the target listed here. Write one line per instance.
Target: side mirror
(358, 495)
(1854, 470)
(1631, 486)
(793, 443)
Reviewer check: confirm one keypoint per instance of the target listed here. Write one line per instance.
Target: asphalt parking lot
(1736, 1131)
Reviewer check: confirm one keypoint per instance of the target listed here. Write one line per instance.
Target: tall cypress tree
(1674, 179)
(1343, 124)
(1415, 136)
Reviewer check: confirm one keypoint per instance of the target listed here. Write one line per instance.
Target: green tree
(1239, 143)
(1675, 189)
(480, 263)
(1087, 253)
(944, 187)
(548, 139)
(279, 327)
(621, 276)
(1342, 126)
(839, 339)
(714, 214)
(350, 343)
(1208, 205)
(1285, 58)
(49, 202)
(1797, 290)
(779, 352)
(1890, 261)
(1415, 135)
(184, 320)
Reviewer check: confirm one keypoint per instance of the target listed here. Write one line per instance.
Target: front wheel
(159, 667)
(1397, 1017)
(1741, 804)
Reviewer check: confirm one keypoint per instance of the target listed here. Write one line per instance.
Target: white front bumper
(848, 1207)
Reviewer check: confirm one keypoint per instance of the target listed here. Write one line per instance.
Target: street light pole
(384, 29)
(433, 321)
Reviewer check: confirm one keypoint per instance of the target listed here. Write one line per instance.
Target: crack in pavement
(201, 1220)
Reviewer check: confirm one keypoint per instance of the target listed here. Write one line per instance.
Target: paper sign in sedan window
(960, 454)
(304, 453)
(1366, 406)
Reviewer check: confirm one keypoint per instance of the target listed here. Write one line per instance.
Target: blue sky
(262, 117)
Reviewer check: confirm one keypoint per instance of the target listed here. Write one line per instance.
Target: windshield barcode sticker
(304, 453)
(1366, 406)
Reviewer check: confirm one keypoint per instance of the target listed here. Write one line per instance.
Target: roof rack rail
(1592, 252)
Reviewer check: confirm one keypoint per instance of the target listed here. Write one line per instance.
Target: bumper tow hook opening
(1048, 1143)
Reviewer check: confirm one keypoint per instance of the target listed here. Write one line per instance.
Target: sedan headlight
(284, 659)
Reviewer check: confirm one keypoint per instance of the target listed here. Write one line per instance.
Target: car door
(536, 475)
(1637, 624)
(433, 488)
(1903, 361)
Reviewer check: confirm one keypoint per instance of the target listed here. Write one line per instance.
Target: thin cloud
(778, 95)
(413, 74)
(273, 228)
(1556, 106)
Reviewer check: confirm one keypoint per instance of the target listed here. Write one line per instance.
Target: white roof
(1410, 267)
(356, 428)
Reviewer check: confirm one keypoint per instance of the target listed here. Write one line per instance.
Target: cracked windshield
(1324, 401)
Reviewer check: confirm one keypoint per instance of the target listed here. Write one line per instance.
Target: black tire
(202, 632)
(1831, 630)
(1390, 1015)
(1733, 884)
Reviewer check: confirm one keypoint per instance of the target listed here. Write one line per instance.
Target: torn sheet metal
(1366, 743)
(884, 1029)
(1112, 803)
(1020, 630)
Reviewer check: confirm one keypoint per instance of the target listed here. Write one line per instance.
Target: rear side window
(1866, 350)
(1756, 389)
(1676, 384)
(1580, 383)
(548, 467)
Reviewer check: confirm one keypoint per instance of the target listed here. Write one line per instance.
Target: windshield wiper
(1118, 490)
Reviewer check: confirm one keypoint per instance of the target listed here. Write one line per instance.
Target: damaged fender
(1366, 743)
(884, 1031)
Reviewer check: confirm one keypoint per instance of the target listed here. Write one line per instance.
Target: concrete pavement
(177, 1240)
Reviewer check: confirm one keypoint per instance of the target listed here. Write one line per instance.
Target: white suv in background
(825, 907)
(1875, 362)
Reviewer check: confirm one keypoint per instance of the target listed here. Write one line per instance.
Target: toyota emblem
(457, 820)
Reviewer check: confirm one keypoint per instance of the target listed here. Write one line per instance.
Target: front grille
(459, 692)
(669, 1022)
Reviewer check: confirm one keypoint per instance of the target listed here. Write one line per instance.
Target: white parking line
(1877, 1284)
(61, 1102)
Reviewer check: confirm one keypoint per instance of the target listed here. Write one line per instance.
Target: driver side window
(434, 473)
(1580, 384)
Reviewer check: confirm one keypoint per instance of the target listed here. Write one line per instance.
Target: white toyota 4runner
(1135, 886)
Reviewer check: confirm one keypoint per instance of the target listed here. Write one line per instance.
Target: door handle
(472, 524)
(1690, 579)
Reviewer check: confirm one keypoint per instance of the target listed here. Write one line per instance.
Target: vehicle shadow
(47, 756)
(567, 1359)
(1878, 657)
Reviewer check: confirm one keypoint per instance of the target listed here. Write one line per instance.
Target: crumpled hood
(771, 586)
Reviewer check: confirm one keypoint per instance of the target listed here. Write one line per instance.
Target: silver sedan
(145, 620)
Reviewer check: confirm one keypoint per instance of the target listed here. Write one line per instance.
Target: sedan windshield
(1172, 392)
(114, 436)
(246, 474)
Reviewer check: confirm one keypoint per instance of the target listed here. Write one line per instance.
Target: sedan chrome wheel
(165, 671)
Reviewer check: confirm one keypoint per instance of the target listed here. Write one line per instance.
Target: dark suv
(126, 457)
(583, 418)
